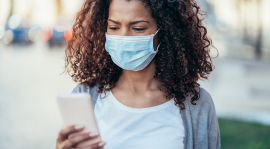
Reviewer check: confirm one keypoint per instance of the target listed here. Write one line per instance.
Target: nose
(124, 32)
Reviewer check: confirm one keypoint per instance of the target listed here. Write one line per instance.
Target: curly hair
(183, 57)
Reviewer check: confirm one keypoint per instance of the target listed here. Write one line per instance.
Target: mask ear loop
(157, 30)
(153, 42)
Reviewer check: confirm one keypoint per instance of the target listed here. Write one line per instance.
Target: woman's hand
(63, 142)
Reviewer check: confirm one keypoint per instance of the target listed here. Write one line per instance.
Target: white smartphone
(77, 108)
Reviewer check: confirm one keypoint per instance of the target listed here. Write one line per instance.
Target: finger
(99, 145)
(77, 139)
(94, 146)
(63, 134)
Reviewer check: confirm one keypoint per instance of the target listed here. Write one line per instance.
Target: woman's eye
(139, 29)
(113, 28)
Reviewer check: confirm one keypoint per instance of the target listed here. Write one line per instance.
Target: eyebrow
(131, 23)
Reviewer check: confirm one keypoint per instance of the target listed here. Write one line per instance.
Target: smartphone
(77, 108)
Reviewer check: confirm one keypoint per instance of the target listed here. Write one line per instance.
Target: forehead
(123, 10)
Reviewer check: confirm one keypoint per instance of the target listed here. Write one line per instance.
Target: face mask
(131, 52)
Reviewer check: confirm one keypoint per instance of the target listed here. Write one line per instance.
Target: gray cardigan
(200, 120)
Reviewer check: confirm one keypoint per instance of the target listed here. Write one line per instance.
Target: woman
(140, 60)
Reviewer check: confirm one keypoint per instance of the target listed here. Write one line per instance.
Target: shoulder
(203, 105)
(85, 89)
(82, 88)
(205, 99)
(79, 88)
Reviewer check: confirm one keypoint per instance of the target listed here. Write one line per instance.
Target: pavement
(30, 80)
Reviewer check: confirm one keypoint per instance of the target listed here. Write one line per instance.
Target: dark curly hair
(183, 57)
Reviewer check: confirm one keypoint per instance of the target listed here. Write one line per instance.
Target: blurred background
(33, 36)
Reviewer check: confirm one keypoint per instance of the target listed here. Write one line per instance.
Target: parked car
(18, 30)
(58, 35)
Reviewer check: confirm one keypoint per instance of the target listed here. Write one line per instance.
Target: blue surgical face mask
(131, 52)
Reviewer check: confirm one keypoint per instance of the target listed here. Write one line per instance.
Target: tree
(258, 44)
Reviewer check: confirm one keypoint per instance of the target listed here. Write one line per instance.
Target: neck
(139, 81)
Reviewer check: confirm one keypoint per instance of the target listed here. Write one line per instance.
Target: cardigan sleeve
(204, 123)
(208, 107)
(213, 131)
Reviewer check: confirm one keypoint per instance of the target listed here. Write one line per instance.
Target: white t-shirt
(123, 127)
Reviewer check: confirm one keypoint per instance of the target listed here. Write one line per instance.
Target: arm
(213, 131)
(207, 122)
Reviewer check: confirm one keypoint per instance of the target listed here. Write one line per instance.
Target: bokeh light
(14, 21)
(68, 34)
(2, 31)
(46, 34)
(34, 33)
(8, 37)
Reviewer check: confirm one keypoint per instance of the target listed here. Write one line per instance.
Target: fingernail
(101, 143)
(93, 134)
(78, 126)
